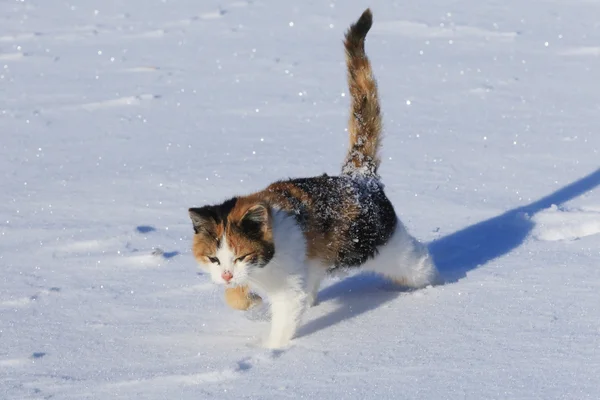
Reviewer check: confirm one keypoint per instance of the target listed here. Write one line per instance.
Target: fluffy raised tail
(365, 117)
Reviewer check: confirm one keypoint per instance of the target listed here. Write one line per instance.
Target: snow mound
(557, 223)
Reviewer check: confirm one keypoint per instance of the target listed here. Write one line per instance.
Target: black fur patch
(372, 228)
(218, 213)
(362, 26)
(253, 222)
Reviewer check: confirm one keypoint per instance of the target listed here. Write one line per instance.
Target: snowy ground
(116, 116)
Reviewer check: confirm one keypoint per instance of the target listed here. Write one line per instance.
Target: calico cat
(283, 240)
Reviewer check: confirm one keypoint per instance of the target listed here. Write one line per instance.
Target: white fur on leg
(286, 311)
(405, 260)
(284, 279)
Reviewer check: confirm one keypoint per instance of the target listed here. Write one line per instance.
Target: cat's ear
(256, 220)
(202, 219)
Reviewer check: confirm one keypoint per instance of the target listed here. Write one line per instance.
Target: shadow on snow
(462, 251)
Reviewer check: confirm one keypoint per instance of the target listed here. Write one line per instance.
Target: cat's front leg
(287, 307)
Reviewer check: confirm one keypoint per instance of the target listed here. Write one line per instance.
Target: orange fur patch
(205, 243)
(241, 298)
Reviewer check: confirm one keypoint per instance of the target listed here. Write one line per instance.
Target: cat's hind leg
(404, 260)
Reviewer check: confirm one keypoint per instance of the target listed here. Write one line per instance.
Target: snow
(116, 117)
(566, 224)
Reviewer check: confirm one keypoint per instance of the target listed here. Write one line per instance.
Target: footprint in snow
(558, 223)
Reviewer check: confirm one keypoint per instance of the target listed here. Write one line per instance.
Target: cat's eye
(214, 260)
(242, 258)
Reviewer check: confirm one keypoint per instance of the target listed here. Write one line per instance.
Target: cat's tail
(365, 117)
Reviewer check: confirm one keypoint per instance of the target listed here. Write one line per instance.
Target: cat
(284, 240)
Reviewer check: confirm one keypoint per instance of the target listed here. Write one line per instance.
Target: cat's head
(232, 239)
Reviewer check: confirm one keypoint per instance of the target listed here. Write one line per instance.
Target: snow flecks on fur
(358, 165)
(364, 123)
(345, 219)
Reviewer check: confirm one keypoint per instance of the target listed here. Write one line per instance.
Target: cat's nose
(227, 276)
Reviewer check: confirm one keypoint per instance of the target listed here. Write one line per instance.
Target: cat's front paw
(241, 298)
(276, 343)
